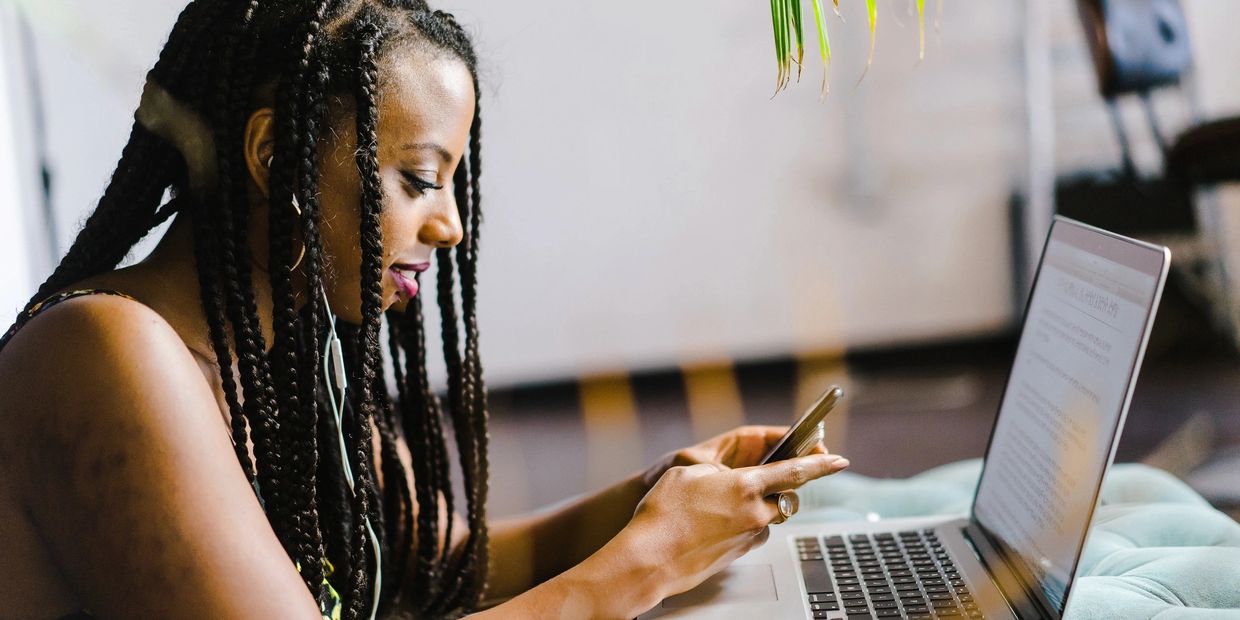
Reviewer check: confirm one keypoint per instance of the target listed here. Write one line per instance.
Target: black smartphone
(800, 439)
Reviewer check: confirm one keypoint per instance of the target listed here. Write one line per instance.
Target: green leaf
(824, 45)
(779, 51)
(797, 24)
(871, 9)
(785, 67)
(921, 29)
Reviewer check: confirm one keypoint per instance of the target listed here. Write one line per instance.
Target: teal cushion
(1157, 548)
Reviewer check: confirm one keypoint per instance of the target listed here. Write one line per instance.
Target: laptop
(1084, 333)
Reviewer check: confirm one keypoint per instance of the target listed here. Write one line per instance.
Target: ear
(259, 145)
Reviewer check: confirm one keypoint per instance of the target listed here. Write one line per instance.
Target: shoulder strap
(34, 310)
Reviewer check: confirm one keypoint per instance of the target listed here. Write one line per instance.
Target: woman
(172, 447)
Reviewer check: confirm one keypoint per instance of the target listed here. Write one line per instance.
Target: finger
(761, 537)
(786, 504)
(770, 434)
(750, 443)
(792, 473)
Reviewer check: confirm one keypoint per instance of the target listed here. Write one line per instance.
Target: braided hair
(311, 50)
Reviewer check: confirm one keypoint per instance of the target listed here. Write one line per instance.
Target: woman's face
(426, 106)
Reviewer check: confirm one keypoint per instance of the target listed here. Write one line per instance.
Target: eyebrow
(430, 146)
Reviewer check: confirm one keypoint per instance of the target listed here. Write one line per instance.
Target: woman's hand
(740, 447)
(699, 518)
(706, 506)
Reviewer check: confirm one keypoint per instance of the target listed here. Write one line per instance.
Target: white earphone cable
(335, 365)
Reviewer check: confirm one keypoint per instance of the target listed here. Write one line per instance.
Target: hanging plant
(787, 22)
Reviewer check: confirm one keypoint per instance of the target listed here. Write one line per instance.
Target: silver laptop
(1015, 555)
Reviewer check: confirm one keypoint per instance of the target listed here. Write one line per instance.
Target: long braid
(475, 388)
(293, 105)
(420, 412)
(228, 109)
(313, 117)
(397, 504)
(398, 500)
(367, 116)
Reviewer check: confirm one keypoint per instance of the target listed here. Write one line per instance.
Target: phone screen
(807, 432)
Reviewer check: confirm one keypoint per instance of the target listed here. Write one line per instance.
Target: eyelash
(418, 184)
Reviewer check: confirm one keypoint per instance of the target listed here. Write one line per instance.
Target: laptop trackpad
(753, 583)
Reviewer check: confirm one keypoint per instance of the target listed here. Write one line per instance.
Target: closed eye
(418, 184)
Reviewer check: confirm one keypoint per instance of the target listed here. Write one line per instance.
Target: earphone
(336, 392)
(335, 356)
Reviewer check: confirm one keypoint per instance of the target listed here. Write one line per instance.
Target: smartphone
(808, 431)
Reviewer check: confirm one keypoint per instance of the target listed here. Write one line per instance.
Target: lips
(405, 275)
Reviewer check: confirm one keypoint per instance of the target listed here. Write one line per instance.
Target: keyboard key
(817, 579)
(820, 614)
(822, 598)
(824, 606)
(888, 613)
(852, 596)
(885, 605)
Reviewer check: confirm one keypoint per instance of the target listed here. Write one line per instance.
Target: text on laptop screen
(1052, 439)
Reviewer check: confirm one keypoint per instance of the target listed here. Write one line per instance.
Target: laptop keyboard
(889, 575)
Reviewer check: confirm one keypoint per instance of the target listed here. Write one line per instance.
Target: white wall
(16, 174)
(648, 203)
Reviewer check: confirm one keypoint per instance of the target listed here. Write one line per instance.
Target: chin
(399, 305)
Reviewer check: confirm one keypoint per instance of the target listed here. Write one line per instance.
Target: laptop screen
(1079, 350)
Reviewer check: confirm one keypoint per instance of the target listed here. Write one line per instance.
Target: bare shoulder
(96, 356)
(127, 470)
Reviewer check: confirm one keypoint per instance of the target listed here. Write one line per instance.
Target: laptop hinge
(1020, 599)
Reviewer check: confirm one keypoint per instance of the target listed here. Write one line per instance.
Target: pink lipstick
(405, 276)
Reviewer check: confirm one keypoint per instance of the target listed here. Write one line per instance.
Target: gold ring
(788, 503)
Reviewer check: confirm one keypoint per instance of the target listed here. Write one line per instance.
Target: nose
(443, 228)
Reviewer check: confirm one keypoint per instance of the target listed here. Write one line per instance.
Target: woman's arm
(125, 467)
(531, 549)
(694, 522)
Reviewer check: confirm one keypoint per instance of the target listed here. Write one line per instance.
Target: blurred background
(670, 252)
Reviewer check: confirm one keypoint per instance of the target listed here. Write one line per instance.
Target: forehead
(425, 96)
